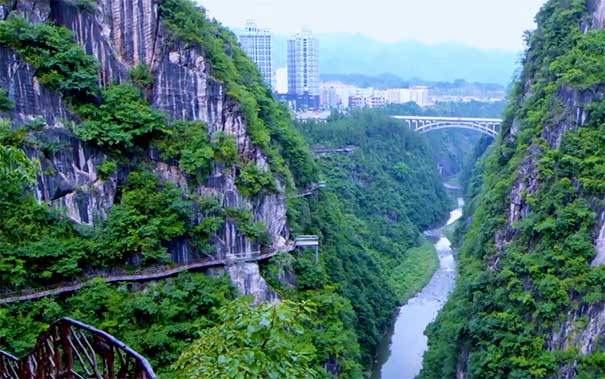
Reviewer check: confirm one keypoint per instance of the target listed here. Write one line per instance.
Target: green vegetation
(266, 341)
(38, 246)
(149, 215)
(188, 142)
(107, 169)
(159, 319)
(454, 149)
(414, 271)
(510, 299)
(6, 104)
(17, 174)
(60, 63)
(141, 76)
(244, 220)
(369, 216)
(251, 180)
(268, 123)
(122, 120)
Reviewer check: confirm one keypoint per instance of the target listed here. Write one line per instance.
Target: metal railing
(137, 276)
(70, 349)
(308, 241)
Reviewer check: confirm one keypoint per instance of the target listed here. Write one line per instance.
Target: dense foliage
(390, 160)
(252, 180)
(369, 215)
(6, 104)
(267, 341)
(158, 320)
(121, 120)
(513, 298)
(368, 261)
(60, 63)
(149, 215)
(453, 149)
(269, 124)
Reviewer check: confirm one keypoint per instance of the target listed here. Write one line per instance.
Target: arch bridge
(424, 124)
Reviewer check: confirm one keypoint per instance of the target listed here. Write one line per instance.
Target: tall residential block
(256, 42)
(303, 69)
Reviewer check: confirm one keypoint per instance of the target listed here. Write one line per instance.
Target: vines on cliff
(521, 283)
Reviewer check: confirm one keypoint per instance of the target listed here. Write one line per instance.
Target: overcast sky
(495, 24)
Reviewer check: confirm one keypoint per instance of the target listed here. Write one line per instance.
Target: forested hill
(377, 200)
(136, 137)
(529, 302)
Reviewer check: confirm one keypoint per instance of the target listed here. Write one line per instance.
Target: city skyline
(431, 23)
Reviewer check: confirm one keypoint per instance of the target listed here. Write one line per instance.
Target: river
(400, 356)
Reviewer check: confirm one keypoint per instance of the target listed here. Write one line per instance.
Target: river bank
(400, 355)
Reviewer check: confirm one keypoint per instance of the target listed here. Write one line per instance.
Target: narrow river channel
(400, 357)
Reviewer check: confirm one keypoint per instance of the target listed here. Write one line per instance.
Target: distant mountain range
(356, 54)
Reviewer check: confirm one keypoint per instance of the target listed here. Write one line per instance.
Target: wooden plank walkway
(142, 276)
(345, 150)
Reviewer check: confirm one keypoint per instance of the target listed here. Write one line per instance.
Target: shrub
(188, 142)
(141, 76)
(244, 221)
(60, 63)
(107, 169)
(149, 215)
(225, 149)
(252, 180)
(6, 104)
(122, 119)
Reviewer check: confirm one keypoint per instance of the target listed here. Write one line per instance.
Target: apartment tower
(303, 69)
(256, 42)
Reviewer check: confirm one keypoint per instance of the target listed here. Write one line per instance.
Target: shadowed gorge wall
(528, 302)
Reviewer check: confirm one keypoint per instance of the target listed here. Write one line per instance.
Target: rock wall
(121, 34)
(585, 326)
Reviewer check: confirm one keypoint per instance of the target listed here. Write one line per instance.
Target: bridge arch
(423, 124)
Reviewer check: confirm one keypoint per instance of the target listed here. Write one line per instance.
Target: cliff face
(122, 34)
(531, 264)
(584, 326)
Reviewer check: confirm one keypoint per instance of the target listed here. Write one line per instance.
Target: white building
(303, 68)
(256, 42)
(281, 80)
(348, 96)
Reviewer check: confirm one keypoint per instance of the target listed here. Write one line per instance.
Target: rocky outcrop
(584, 327)
(121, 34)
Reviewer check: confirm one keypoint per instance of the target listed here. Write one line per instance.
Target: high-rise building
(281, 80)
(256, 42)
(303, 69)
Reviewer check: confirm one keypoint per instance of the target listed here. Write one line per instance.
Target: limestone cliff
(526, 304)
(122, 34)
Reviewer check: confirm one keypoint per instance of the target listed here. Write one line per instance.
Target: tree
(17, 173)
(122, 118)
(266, 341)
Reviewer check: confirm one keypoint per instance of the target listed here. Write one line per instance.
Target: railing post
(67, 350)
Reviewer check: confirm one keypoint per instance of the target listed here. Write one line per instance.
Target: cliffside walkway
(343, 150)
(309, 190)
(139, 276)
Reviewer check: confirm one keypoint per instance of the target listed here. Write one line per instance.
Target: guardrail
(139, 276)
(70, 349)
(308, 241)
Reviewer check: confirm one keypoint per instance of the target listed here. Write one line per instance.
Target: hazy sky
(497, 24)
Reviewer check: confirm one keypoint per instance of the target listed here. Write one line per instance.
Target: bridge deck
(461, 119)
(424, 124)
